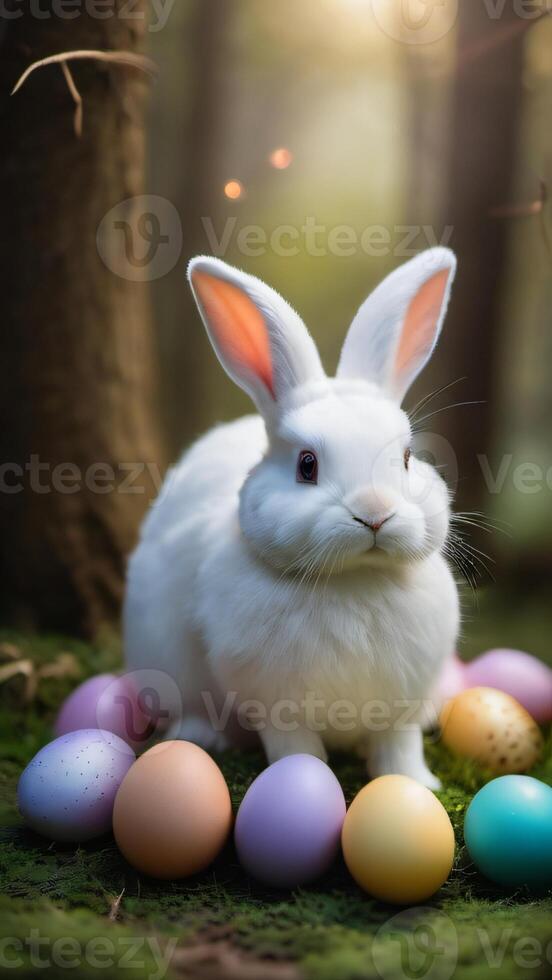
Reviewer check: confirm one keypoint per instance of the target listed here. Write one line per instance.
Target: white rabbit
(292, 568)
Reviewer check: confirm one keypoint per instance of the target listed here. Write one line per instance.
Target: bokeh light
(234, 190)
(281, 158)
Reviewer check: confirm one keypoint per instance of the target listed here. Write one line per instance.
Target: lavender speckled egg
(526, 678)
(67, 791)
(289, 823)
(108, 702)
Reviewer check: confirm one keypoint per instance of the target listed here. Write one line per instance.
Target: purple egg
(67, 791)
(109, 702)
(452, 679)
(523, 676)
(288, 827)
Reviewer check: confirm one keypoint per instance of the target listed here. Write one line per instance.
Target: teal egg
(508, 831)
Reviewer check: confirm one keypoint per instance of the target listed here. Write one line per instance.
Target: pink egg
(452, 679)
(521, 675)
(109, 702)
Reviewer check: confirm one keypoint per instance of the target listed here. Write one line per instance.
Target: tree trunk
(76, 356)
(486, 111)
(189, 127)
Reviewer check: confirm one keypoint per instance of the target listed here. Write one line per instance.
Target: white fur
(375, 331)
(248, 583)
(295, 357)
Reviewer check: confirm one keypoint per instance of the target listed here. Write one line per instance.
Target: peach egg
(172, 812)
(492, 728)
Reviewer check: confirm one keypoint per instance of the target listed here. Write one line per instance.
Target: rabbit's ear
(259, 339)
(395, 331)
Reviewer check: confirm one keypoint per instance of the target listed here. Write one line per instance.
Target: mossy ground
(222, 924)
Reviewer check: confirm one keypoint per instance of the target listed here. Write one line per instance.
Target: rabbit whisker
(444, 408)
(433, 394)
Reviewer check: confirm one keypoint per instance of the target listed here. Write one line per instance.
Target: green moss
(41, 939)
(332, 931)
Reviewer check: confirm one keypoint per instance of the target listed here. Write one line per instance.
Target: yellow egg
(172, 812)
(492, 728)
(397, 840)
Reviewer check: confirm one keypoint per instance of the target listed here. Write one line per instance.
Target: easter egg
(398, 841)
(508, 831)
(492, 728)
(289, 823)
(67, 791)
(109, 702)
(172, 813)
(526, 678)
(452, 679)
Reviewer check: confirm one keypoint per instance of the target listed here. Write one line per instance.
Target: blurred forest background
(445, 140)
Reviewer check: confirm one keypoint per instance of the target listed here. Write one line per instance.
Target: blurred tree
(190, 106)
(485, 129)
(76, 347)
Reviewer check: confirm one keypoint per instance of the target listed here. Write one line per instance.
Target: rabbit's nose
(373, 524)
(373, 509)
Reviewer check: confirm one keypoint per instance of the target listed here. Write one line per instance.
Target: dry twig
(77, 98)
(522, 210)
(9, 651)
(24, 667)
(124, 58)
(65, 665)
(115, 907)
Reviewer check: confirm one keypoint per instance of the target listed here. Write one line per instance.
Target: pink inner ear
(421, 323)
(238, 327)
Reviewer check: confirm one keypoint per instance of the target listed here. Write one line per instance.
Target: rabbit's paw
(200, 731)
(400, 753)
(429, 780)
(278, 744)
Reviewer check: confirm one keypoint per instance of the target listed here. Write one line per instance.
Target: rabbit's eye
(407, 455)
(307, 467)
